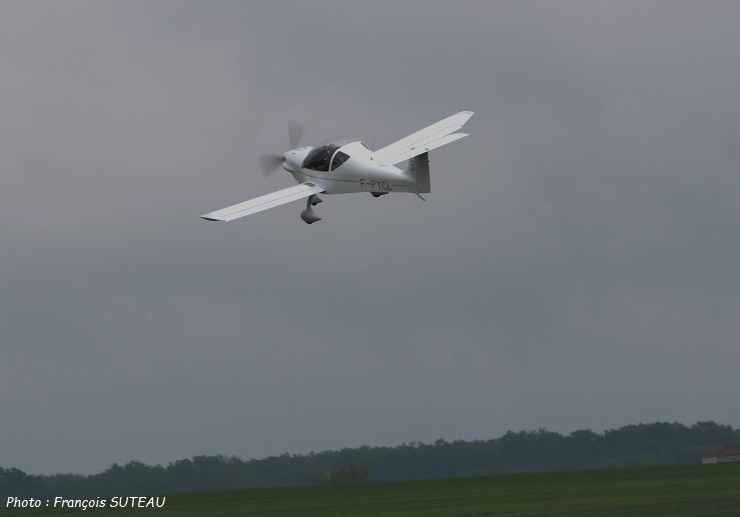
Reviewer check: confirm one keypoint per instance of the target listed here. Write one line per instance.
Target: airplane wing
(436, 135)
(261, 203)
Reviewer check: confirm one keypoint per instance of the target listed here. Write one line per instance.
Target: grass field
(654, 491)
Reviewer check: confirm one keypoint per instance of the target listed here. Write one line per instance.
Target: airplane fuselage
(358, 174)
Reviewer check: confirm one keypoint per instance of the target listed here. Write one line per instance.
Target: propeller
(295, 133)
(270, 162)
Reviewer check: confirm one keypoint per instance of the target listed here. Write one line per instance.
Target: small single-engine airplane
(345, 165)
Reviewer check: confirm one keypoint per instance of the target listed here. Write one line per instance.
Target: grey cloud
(574, 266)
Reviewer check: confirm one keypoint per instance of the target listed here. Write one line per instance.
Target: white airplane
(345, 165)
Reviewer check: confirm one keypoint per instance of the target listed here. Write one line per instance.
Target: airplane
(346, 165)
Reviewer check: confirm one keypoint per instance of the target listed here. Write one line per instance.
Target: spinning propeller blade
(270, 162)
(295, 133)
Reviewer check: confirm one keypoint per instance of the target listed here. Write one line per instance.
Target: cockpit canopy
(326, 156)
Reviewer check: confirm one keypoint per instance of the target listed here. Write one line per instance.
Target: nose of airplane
(289, 163)
(293, 159)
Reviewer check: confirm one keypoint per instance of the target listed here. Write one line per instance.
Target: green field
(670, 491)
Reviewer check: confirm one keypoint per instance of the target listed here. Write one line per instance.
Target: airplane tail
(418, 168)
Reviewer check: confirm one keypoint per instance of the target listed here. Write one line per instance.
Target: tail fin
(418, 168)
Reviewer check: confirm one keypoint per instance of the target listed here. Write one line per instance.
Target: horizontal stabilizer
(261, 203)
(430, 137)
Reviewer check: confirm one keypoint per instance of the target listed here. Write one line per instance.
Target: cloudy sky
(575, 266)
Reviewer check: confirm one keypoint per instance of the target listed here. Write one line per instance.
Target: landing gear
(308, 214)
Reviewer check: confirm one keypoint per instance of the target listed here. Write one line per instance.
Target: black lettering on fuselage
(375, 185)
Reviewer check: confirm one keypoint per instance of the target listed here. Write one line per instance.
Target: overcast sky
(575, 266)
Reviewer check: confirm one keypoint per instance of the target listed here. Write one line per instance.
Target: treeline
(531, 451)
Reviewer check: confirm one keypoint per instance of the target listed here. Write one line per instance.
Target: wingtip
(208, 218)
